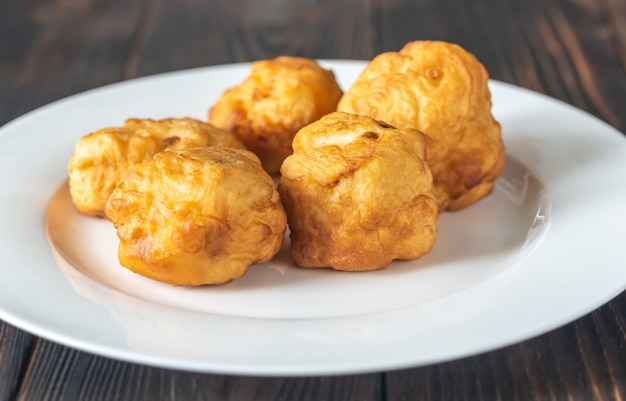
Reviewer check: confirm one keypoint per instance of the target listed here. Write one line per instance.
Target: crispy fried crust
(441, 90)
(101, 159)
(358, 194)
(197, 216)
(279, 97)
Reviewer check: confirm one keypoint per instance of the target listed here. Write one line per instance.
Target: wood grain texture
(15, 348)
(581, 361)
(557, 47)
(615, 15)
(59, 48)
(572, 50)
(195, 33)
(59, 373)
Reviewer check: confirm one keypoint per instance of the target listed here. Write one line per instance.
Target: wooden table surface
(572, 50)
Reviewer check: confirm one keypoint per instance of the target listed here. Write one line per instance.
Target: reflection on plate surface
(473, 245)
(541, 251)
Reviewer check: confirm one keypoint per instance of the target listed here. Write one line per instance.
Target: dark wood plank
(582, 63)
(59, 373)
(179, 35)
(616, 22)
(581, 361)
(15, 348)
(62, 48)
(58, 48)
(556, 47)
(571, 50)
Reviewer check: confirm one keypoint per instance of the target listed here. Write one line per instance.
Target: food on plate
(279, 97)
(440, 89)
(363, 174)
(197, 216)
(358, 194)
(101, 159)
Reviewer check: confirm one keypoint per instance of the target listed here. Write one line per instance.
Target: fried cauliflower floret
(101, 159)
(440, 89)
(358, 194)
(197, 216)
(279, 97)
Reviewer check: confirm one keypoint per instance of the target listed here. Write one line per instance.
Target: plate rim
(134, 356)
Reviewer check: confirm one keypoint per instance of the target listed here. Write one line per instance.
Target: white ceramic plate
(543, 250)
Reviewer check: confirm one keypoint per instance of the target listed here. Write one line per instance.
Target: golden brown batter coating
(441, 90)
(279, 97)
(101, 159)
(358, 194)
(197, 216)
